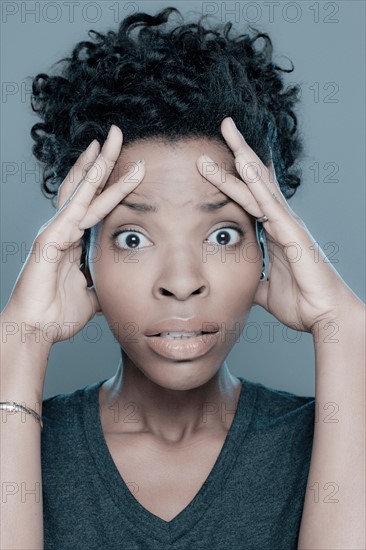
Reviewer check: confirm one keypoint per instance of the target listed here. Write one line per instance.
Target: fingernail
(236, 128)
(110, 131)
(92, 146)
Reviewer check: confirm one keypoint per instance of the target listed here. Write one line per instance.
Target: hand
(51, 287)
(302, 289)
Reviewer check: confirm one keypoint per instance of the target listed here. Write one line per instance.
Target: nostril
(165, 292)
(199, 290)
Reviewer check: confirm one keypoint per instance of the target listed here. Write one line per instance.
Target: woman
(161, 230)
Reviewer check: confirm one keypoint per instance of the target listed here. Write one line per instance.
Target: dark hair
(168, 84)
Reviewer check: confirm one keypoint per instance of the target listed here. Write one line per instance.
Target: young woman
(171, 155)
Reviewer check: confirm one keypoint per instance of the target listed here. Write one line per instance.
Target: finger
(239, 192)
(266, 173)
(96, 177)
(273, 178)
(253, 172)
(111, 197)
(76, 173)
(271, 169)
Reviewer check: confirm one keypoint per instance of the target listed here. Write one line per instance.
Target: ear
(84, 267)
(261, 238)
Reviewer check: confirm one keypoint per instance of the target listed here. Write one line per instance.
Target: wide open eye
(226, 234)
(132, 239)
(128, 239)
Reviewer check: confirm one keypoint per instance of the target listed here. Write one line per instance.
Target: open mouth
(183, 329)
(183, 345)
(180, 335)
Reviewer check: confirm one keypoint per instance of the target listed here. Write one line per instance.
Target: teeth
(180, 335)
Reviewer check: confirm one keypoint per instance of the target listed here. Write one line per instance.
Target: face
(181, 261)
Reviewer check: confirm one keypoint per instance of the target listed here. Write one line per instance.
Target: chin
(182, 376)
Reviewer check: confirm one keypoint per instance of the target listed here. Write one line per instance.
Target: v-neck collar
(138, 515)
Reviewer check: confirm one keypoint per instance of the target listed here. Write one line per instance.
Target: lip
(194, 324)
(183, 349)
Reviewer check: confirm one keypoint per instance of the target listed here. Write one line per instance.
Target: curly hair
(170, 84)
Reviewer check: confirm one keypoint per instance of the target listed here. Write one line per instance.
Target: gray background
(325, 41)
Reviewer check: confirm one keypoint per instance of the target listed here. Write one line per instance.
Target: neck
(131, 402)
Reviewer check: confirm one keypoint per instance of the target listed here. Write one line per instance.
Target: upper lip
(194, 324)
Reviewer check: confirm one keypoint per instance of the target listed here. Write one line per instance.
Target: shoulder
(56, 405)
(284, 399)
(65, 408)
(282, 407)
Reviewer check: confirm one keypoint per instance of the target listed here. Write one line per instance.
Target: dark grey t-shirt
(251, 500)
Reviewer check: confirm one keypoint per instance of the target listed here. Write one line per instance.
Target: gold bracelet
(12, 406)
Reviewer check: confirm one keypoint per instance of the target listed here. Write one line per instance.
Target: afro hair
(174, 84)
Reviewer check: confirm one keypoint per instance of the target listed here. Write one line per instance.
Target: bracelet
(12, 406)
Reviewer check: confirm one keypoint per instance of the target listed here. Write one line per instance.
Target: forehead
(171, 170)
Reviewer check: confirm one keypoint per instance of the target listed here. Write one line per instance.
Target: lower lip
(183, 349)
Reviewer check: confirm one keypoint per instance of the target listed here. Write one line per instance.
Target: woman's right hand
(51, 294)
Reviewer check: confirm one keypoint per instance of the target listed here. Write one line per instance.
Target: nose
(182, 274)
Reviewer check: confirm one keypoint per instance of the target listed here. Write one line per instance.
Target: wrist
(348, 316)
(343, 327)
(16, 331)
(24, 363)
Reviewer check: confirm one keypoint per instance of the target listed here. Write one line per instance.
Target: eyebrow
(205, 207)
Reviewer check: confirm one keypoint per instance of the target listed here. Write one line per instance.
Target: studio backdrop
(326, 43)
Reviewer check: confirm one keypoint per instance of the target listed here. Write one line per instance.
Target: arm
(334, 515)
(304, 293)
(36, 300)
(23, 369)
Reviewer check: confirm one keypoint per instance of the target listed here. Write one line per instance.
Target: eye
(224, 236)
(128, 239)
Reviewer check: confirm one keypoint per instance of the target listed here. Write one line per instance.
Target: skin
(307, 292)
(170, 276)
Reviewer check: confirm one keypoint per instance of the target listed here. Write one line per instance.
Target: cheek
(241, 264)
(118, 279)
(237, 282)
(236, 275)
(122, 301)
(125, 278)
(120, 283)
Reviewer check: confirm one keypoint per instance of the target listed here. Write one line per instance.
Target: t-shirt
(252, 498)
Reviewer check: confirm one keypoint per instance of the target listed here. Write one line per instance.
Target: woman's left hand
(303, 288)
